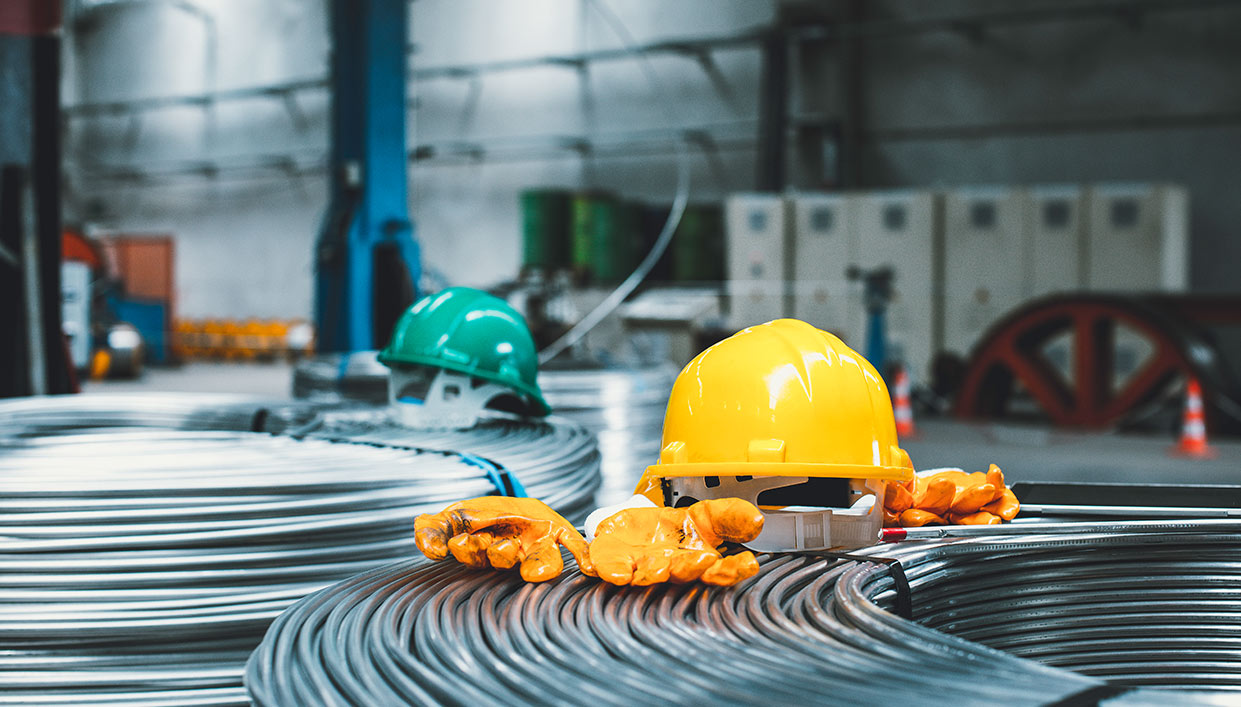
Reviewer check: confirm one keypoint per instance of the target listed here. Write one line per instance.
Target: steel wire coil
(803, 630)
(623, 407)
(146, 541)
(356, 377)
(554, 456)
(1143, 607)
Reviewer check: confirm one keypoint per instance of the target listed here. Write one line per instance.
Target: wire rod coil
(555, 457)
(146, 541)
(1114, 608)
(623, 407)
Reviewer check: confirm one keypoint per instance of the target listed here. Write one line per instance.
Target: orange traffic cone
(1194, 429)
(901, 409)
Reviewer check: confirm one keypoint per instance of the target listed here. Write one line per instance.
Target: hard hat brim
(837, 471)
(539, 406)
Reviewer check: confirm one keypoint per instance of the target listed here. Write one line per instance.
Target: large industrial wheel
(1063, 351)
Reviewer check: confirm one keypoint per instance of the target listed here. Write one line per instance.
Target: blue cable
(505, 481)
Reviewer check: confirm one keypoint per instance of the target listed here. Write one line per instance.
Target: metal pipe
(679, 200)
(36, 352)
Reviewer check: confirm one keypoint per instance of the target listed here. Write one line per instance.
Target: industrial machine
(1097, 361)
(961, 259)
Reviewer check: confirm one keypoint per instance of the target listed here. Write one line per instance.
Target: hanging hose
(1122, 609)
(147, 541)
(660, 98)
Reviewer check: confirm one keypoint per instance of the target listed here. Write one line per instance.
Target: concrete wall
(244, 237)
(934, 109)
(1107, 99)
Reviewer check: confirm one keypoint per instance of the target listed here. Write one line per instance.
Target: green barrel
(603, 237)
(698, 246)
(582, 236)
(615, 240)
(545, 228)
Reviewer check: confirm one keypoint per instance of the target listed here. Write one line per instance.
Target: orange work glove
(950, 497)
(500, 532)
(643, 546)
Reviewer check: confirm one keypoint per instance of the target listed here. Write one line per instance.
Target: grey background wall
(1122, 98)
(1151, 98)
(245, 233)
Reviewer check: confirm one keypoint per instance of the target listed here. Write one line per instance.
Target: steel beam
(33, 356)
(369, 181)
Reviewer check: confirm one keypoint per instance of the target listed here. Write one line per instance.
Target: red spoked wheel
(1082, 360)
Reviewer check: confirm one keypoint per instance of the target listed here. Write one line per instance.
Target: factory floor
(262, 379)
(1024, 453)
(1042, 454)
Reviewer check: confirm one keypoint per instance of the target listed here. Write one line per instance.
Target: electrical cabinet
(759, 254)
(901, 230)
(1055, 254)
(962, 259)
(824, 247)
(1138, 238)
(984, 261)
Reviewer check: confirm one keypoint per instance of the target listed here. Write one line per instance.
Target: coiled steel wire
(332, 378)
(1134, 607)
(553, 456)
(146, 541)
(623, 407)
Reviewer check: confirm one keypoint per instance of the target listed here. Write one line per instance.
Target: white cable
(613, 300)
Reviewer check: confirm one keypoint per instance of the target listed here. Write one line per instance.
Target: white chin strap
(451, 401)
(794, 528)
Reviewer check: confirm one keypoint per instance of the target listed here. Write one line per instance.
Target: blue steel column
(369, 181)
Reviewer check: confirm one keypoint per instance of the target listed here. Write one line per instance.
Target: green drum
(604, 235)
(615, 250)
(583, 233)
(545, 228)
(698, 246)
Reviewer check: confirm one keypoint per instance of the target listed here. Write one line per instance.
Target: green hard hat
(471, 332)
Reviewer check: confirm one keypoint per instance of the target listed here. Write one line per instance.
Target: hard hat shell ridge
(471, 332)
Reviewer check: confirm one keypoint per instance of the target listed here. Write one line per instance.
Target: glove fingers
(916, 518)
(995, 477)
(977, 518)
(612, 564)
(688, 565)
(470, 549)
(651, 568)
(431, 533)
(505, 553)
(897, 498)
(543, 562)
(728, 519)
(938, 496)
(890, 519)
(971, 498)
(576, 545)
(1007, 507)
(732, 569)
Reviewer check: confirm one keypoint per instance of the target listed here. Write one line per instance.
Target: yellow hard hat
(781, 399)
